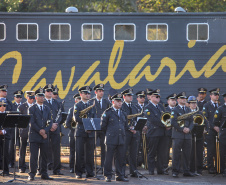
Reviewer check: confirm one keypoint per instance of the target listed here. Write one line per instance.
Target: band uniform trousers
(186, 145)
(23, 146)
(199, 156)
(6, 153)
(72, 152)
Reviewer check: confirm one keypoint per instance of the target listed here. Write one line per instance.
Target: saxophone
(131, 116)
(83, 113)
(180, 119)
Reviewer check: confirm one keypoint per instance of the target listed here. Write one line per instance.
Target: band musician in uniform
(171, 100)
(114, 125)
(196, 164)
(84, 140)
(208, 111)
(155, 133)
(101, 105)
(132, 136)
(220, 127)
(201, 97)
(71, 133)
(4, 137)
(54, 134)
(23, 132)
(181, 135)
(17, 98)
(40, 125)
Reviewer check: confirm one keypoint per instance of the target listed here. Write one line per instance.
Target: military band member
(111, 92)
(148, 90)
(181, 135)
(196, 164)
(132, 136)
(40, 125)
(114, 125)
(140, 100)
(101, 105)
(220, 127)
(140, 107)
(71, 133)
(155, 134)
(15, 105)
(55, 96)
(4, 137)
(84, 140)
(23, 132)
(54, 134)
(171, 100)
(201, 97)
(3, 94)
(208, 111)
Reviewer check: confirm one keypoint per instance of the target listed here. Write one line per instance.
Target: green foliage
(112, 5)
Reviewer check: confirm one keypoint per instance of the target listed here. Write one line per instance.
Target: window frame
(58, 25)
(167, 30)
(29, 40)
(126, 24)
(4, 31)
(92, 32)
(197, 31)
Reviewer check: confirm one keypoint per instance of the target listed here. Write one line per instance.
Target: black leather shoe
(89, 175)
(6, 173)
(212, 171)
(30, 178)
(46, 177)
(175, 175)
(21, 171)
(108, 179)
(72, 170)
(78, 176)
(151, 173)
(188, 174)
(122, 179)
(57, 173)
(136, 175)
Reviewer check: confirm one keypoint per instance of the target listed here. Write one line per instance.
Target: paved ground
(69, 178)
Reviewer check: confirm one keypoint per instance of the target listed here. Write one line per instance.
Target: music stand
(2, 119)
(16, 121)
(93, 124)
(140, 123)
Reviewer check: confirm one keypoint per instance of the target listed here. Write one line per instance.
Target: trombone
(218, 154)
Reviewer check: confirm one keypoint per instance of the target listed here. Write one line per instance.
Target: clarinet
(59, 112)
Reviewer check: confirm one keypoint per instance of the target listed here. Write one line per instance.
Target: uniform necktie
(49, 102)
(41, 109)
(85, 105)
(118, 113)
(215, 106)
(99, 103)
(183, 109)
(130, 109)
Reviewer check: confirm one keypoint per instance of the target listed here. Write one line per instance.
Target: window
(60, 32)
(124, 31)
(92, 32)
(157, 32)
(27, 32)
(198, 31)
(2, 31)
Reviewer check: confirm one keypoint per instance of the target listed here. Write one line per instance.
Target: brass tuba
(83, 113)
(198, 119)
(181, 119)
(165, 118)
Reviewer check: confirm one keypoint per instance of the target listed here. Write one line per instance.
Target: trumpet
(198, 119)
(83, 113)
(165, 118)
